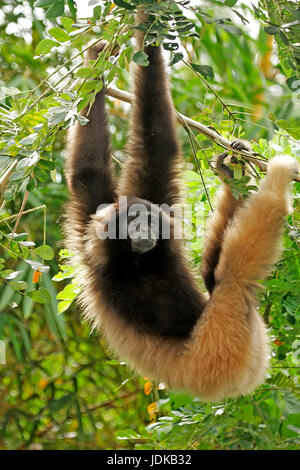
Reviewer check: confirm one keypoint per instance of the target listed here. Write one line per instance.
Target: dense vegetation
(234, 67)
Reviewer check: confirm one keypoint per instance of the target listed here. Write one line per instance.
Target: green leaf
(44, 3)
(230, 3)
(205, 70)
(272, 29)
(69, 292)
(127, 434)
(230, 28)
(72, 8)
(8, 91)
(67, 272)
(59, 34)
(41, 295)
(64, 305)
(293, 83)
(45, 252)
(56, 10)
(170, 46)
(123, 4)
(237, 172)
(45, 46)
(176, 58)
(91, 85)
(57, 118)
(293, 131)
(18, 285)
(28, 162)
(8, 274)
(180, 399)
(67, 23)
(29, 139)
(60, 403)
(84, 72)
(140, 58)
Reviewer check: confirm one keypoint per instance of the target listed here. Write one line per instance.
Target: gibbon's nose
(142, 245)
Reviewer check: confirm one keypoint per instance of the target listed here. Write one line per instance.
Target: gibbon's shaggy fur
(148, 305)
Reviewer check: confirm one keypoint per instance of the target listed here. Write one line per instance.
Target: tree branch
(209, 133)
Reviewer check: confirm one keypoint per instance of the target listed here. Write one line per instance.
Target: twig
(5, 178)
(191, 137)
(24, 212)
(19, 215)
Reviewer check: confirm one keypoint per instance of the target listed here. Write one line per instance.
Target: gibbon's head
(133, 224)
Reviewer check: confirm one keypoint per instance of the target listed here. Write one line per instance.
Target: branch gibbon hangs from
(141, 291)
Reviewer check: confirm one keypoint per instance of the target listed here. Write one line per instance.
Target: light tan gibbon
(141, 292)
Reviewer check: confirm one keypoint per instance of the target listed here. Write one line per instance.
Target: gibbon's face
(136, 224)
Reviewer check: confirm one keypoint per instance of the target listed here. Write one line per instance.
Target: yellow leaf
(43, 383)
(36, 276)
(148, 387)
(152, 408)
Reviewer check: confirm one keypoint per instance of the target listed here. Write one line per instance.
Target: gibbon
(141, 292)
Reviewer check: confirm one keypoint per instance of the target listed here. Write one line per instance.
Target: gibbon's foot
(283, 164)
(281, 170)
(222, 168)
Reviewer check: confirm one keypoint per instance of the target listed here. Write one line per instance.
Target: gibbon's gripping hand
(224, 171)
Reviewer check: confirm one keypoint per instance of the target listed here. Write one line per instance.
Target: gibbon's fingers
(240, 145)
(252, 242)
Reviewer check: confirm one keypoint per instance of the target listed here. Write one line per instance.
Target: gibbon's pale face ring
(138, 223)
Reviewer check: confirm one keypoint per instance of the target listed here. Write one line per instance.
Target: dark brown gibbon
(142, 292)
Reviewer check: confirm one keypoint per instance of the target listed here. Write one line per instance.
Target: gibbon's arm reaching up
(88, 170)
(154, 162)
(147, 301)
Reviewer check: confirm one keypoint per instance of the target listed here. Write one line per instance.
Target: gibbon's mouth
(142, 245)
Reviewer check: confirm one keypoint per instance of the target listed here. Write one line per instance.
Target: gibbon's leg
(225, 209)
(252, 242)
(152, 168)
(88, 170)
(228, 352)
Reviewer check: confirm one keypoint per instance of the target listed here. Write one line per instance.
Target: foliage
(60, 388)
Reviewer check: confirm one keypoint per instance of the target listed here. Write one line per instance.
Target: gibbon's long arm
(154, 156)
(88, 169)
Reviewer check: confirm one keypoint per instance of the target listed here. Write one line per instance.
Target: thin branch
(19, 215)
(210, 133)
(5, 178)
(24, 212)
